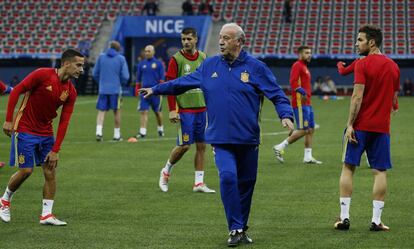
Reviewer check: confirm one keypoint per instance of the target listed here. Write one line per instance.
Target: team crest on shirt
(244, 77)
(64, 95)
(187, 69)
(144, 66)
(154, 65)
(186, 137)
(49, 88)
(21, 159)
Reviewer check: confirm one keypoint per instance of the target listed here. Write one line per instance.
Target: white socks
(160, 128)
(283, 144)
(117, 133)
(377, 207)
(308, 154)
(99, 130)
(7, 196)
(143, 131)
(168, 167)
(345, 203)
(199, 177)
(47, 207)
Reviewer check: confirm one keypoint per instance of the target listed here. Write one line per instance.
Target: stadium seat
(330, 25)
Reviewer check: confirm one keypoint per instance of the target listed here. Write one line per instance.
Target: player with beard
(375, 92)
(300, 82)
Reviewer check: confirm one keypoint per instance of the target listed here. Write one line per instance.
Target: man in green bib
(188, 111)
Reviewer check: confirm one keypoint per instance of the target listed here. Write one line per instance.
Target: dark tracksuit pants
(237, 166)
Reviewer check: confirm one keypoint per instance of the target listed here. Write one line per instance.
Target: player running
(300, 82)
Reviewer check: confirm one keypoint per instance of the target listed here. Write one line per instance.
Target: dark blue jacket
(150, 72)
(234, 97)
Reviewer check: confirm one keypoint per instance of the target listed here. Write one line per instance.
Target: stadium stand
(46, 27)
(329, 26)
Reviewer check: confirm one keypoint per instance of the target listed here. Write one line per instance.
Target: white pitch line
(152, 139)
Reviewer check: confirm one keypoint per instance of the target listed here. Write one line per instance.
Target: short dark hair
(69, 54)
(189, 30)
(373, 33)
(303, 47)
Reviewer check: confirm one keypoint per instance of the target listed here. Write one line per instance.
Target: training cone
(132, 140)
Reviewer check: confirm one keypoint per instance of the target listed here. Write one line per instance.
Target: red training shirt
(300, 77)
(44, 94)
(381, 77)
(172, 73)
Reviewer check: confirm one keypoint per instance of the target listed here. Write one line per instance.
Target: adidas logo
(214, 75)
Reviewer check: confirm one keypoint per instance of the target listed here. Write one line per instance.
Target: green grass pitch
(108, 192)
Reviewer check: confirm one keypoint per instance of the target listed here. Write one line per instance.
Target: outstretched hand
(146, 92)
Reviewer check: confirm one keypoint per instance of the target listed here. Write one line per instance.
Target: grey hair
(239, 31)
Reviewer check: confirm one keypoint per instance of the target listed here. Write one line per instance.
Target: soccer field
(108, 192)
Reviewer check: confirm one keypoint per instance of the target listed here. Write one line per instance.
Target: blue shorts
(28, 150)
(304, 117)
(377, 146)
(191, 128)
(108, 102)
(154, 101)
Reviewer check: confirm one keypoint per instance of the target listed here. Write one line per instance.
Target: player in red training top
(45, 90)
(300, 83)
(350, 69)
(3, 90)
(376, 85)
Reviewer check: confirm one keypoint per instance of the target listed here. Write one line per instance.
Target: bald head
(149, 51)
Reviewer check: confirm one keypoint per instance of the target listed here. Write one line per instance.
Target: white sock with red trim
(199, 177)
(168, 167)
(47, 207)
(8, 195)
